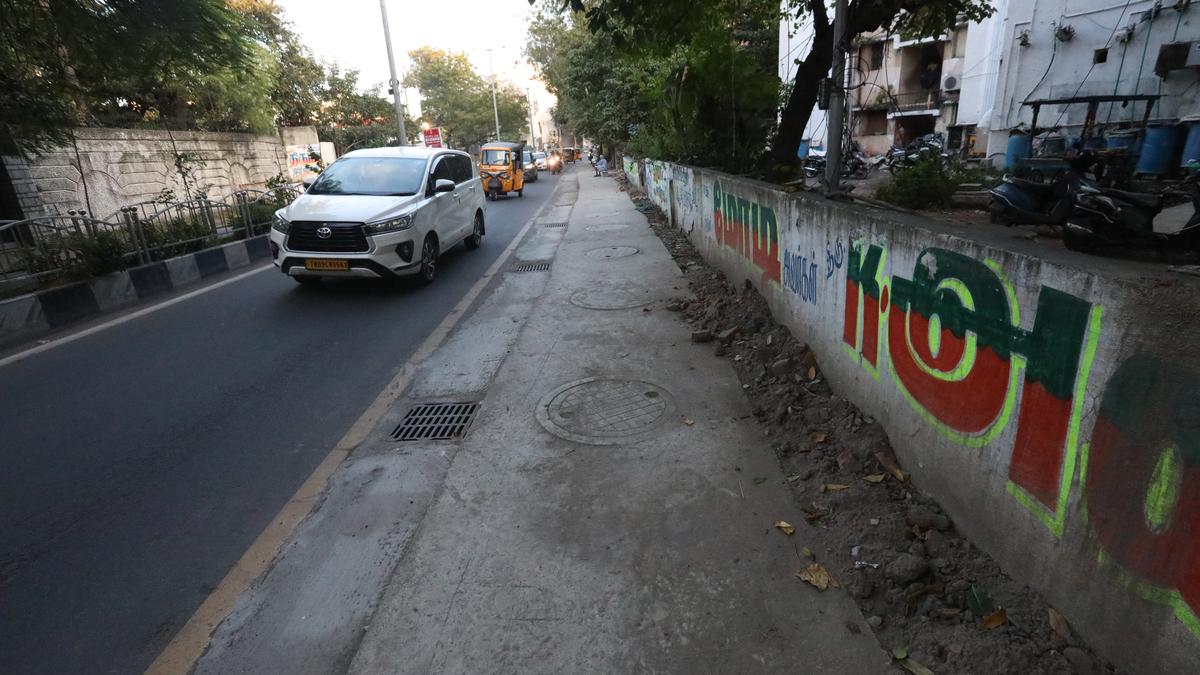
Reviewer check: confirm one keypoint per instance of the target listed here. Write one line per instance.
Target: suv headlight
(393, 225)
(280, 224)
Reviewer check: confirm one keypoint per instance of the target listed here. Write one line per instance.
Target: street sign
(432, 137)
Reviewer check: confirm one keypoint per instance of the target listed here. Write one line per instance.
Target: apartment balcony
(921, 102)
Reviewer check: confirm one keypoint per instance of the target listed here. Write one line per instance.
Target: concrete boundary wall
(30, 316)
(1049, 400)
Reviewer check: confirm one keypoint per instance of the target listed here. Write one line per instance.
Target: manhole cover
(611, 252)
(603, 411)
(612, 298)
(606, 227)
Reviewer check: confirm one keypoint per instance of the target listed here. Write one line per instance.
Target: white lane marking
(68, 339)
(181, 654)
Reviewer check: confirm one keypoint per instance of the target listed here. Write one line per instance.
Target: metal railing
(38, 250)
(926, 99)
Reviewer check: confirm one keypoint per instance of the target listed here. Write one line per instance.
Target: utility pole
(495, 108)
(837, 102)
(532, 131)
(394, 82)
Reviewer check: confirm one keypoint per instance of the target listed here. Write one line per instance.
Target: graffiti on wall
(631, 169)
(658, 189)
(749, 228)
(686, 198)
(951, 339)
(800, 275)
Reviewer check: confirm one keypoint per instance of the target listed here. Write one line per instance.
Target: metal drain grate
(532, 267)
(436, 422)
(554, 225)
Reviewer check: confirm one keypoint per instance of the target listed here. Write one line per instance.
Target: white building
(1066, 48)
(970, 83)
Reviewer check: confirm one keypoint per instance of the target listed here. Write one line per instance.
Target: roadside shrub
(99, 254)
(177, 236)
(929, 183)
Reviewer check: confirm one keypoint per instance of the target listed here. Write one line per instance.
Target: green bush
(929, 183)
(99, 254)
(175, 237)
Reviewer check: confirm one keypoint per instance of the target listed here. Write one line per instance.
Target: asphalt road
(141, 461)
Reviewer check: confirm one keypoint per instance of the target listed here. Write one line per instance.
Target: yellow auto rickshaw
(501, 169)
(569, 155)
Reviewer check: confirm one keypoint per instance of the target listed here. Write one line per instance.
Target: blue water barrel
(1094, 143)
(1124, 138)
(1160, 145)
(1191, 147)
(1019, 147)
(802, 150)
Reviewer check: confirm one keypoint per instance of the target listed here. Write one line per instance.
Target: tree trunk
(813, 69)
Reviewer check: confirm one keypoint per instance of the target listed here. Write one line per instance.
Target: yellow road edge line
(181, 654)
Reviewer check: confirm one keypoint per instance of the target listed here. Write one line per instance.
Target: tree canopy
(706, 70)
(217, 65)
(456, 98)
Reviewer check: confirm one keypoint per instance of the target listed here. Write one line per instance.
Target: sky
(350, 33)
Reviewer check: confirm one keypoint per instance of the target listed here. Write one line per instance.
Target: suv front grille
(346, 238)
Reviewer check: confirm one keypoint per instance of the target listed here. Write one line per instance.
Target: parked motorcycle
(920, 149)
(1106, 220)
(854, 164)
(1016, 201)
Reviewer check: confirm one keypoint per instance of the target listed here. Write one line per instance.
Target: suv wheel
(429, 256)
(476, 238)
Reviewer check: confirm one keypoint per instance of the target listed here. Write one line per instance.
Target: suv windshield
(494, 157)
(381, 176)
(539, 155)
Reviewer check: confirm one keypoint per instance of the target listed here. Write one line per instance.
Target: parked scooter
(1016, 201)
(1105, 220)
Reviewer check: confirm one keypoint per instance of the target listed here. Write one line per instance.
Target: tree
(657, 25)
(351, 117)
(67, 62)
(456, 98)
(707, 94)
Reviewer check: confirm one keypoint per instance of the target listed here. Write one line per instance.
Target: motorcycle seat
(1031, 185)
(1139, 199)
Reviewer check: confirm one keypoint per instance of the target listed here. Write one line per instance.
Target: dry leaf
(875, 478)
(834, 487)
(793, 478)
(914, 667)
(920, 532)
(890, 464)
(812, 373)
(787, 527)
(995, 619)
(814, 514)
(818, 576)
(1058, 623)
(818, 436)
(689, 422)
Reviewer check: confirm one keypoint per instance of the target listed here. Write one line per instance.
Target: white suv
(380, 213)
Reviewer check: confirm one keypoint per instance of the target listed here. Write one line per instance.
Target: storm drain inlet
(554, 225)
(543, 266)
(436, 422)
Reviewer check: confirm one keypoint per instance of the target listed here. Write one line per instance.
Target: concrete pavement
(611, 509)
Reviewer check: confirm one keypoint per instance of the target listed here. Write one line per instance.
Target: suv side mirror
(443, 185)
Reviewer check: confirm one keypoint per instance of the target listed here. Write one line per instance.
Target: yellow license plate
(323, 264)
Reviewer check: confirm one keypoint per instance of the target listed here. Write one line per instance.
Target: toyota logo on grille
(324, 232)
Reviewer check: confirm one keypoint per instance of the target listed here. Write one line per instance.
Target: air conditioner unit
(952, 74)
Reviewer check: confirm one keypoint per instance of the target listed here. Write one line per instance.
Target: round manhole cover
(612, 298)
(611, 252)
(606, 227)
(603, 411)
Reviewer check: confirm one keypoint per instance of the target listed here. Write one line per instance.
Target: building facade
(970, 83)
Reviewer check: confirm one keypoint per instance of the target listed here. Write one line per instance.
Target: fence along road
(142, 460)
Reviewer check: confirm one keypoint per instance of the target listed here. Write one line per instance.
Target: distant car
(539, 158)
(531, 170)
(381, 213)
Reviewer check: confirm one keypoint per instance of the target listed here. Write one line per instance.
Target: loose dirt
(927, 592)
